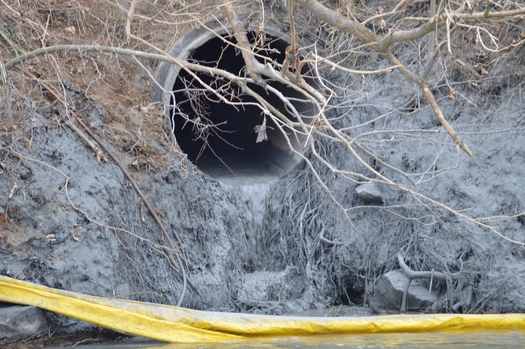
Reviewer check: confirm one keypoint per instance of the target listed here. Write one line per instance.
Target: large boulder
(388, 294)
(21, 322)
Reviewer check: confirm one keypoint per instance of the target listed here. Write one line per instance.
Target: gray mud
(70, 222)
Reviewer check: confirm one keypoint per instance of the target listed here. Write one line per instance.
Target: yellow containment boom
(174, 324)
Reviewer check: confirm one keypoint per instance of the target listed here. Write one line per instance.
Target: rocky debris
(20, 322)
(388, 294)
(266, 286)
(369, 193)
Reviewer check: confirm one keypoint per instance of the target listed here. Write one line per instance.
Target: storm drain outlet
(219, 134)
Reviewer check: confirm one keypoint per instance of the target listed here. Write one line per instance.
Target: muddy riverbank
(70, 221)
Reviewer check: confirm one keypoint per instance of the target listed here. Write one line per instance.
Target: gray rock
(267, 286)
(369, 193)
(388, 294)
(21, 322)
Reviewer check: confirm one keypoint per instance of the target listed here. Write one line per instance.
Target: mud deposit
(71, 222)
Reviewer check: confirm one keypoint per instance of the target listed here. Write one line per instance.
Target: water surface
(434, 340)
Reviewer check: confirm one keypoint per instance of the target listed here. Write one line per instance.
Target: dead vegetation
(457, 52)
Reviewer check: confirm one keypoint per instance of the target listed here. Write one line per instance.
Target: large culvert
(229, 147)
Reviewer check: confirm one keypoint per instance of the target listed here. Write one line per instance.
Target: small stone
(369, 193)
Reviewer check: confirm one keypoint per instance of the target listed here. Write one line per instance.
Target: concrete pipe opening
(220, 137)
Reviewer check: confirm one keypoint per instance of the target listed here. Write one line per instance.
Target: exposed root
(411, 275)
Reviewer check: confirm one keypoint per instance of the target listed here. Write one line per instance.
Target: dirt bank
(71, 222)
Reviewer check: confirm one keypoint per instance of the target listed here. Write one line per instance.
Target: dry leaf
(261, 133)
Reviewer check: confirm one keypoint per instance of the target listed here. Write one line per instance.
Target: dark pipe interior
(220, 138)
